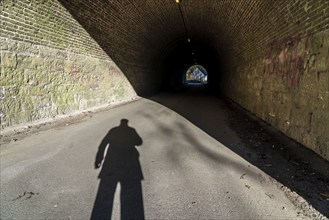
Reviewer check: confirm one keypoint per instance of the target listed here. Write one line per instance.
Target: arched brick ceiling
(146, 38)
(269, 56)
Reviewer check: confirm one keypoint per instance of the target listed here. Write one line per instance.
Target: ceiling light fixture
(184, 24)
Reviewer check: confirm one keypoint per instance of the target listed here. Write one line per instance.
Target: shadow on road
(120, 165)
(286, 161)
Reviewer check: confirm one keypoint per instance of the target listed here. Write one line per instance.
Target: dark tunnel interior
(152, 53)
(182, 54)
(259, 54)
(269, 57)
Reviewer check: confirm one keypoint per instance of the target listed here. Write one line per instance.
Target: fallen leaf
(271, 196)
(27, 195)
(325, 195)
(298, 177)
(262, 156)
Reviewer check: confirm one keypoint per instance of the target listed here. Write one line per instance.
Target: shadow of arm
(139, 140)
(101, 150)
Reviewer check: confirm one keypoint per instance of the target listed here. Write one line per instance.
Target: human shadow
(120, 165)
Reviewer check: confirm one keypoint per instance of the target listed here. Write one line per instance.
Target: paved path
(177, 171)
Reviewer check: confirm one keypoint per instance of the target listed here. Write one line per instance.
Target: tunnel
(93, 88)
(270, 57)
(159, 50)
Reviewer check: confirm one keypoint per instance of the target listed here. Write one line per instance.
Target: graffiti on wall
(285, 58)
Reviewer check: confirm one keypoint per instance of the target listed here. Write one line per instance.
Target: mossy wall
(50, 66)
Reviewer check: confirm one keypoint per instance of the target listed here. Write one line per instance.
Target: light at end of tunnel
(189, 40)
(177, 1)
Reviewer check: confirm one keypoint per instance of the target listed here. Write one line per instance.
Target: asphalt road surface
(138, 160)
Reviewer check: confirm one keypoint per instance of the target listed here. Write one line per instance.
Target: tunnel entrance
(196, 75)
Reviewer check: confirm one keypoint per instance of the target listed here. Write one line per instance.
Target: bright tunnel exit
(196, 74)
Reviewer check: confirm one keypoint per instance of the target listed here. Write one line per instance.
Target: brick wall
(280, 69)
(274, 60)
(51, 66)
(288, 87)
(269, 56)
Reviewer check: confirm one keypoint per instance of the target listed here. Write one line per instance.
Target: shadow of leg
(132, 206)
(104, 200)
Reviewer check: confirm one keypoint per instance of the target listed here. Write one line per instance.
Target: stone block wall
(51, 66)
(274, 60)
(288, 87)
(57, 56)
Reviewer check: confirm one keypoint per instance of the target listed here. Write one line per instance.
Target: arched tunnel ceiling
(140, 35)
(271, 57)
